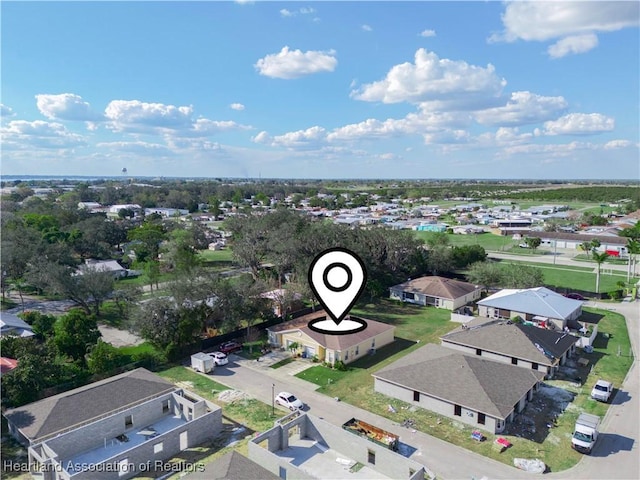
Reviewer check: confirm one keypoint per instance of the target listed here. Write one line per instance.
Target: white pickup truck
(602, 391)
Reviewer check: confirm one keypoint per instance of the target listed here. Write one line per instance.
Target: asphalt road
(616, 455)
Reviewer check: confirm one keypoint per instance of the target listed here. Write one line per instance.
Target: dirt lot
(539, 416)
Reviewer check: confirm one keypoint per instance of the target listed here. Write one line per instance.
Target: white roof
(10, 323)
(537, 301)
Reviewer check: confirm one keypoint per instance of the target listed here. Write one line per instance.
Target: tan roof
(435, 286)
(333, 342)
(233, 466)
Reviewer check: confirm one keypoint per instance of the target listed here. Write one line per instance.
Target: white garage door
(310, 351)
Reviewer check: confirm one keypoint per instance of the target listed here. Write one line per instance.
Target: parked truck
(585, 433)
(375, 434)
(602, 391)
(201, 362)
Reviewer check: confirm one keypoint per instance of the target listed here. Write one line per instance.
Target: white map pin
(337, 277)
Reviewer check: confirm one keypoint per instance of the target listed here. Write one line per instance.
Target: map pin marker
(337, 277)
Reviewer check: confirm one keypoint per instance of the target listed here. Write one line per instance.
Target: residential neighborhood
(475, 334)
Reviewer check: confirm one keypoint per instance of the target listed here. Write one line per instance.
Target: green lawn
(488, 241)
(252, 413)
(577, 278)
(355, 386)
(282, 362)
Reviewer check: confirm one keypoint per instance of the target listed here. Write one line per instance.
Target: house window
(373, 343)
(514, 361)
(408, 296)
(481, 418)
(128, 421)
(534, 366)
(371, 457)
(357, 350)
(165, 406)
(416, 396)
(158, 447)
(457, 410)
(478, 351)
(346, 355)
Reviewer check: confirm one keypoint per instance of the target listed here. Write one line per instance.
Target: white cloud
(262, 137)
(142, 148)
(447, 137)
(521, 109)
(134, 116)
(134, 112)
(65, 106)
(6, 111)
(579, 124)
(292, 13)
(38, 134)
(433, 79)
(289, 64)
(575, 23)
(573, 45)
(615, 144)
(366, 28)
(237, 106)
(427, 33)
(310, 138)
(205, 127)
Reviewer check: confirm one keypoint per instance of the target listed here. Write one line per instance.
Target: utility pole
(273, 399)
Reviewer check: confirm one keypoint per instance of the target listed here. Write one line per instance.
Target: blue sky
(539, 90)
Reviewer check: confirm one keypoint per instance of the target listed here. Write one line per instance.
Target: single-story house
(476, 391)
(281, 298)
(232, 466)
(303, 446)
(539, 305)
(112, 428)
(525, 346)
(436, 291)
(11, 324)
(112, 266)
(330, 348)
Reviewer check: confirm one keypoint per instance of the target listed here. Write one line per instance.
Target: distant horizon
(14, 177)
(341, 90)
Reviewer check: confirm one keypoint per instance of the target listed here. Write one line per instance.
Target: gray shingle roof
(437, 287)
(514, 340)
(486, 386)
(233, 466)
(536, 301)
(59, 412)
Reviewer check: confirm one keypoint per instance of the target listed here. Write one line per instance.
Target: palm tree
(599, 258)
(633, 247)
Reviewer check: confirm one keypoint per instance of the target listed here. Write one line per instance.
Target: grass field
(355, 386)
(488, 241)
(576, 278)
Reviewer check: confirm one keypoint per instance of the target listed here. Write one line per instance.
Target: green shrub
(339, 365)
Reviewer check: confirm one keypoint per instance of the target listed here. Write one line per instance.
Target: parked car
(230, 347)
(289, 400)
(602, 391)
(574, 296)
(219, 358)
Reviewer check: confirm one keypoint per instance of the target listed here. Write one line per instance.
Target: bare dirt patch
(229, 396)
(539, 416)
